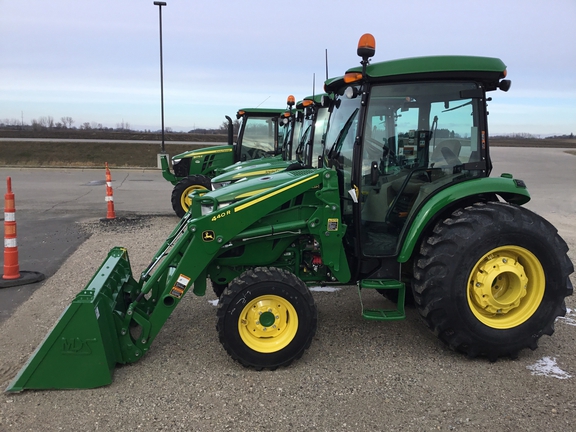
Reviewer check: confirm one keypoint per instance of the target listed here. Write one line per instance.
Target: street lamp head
(157, 3)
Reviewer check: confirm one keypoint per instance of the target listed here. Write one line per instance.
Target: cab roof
(485, 69)
(261, 111)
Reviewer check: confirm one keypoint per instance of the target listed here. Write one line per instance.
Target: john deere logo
(208, 236)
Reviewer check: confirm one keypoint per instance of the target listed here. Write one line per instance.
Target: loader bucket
(83, 348)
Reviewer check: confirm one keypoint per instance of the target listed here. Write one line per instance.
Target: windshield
(302, 150)
(341, 133)
(414, 124)
(258, 137)
(319, 134)
(290, 128)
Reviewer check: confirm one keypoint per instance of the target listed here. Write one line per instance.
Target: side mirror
(504, 85)
(374, 173)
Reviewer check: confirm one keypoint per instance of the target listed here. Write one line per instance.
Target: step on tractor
(403, 200)
(259, 136)
(310, 124)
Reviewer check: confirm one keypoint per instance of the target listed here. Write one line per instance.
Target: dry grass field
(70, 153)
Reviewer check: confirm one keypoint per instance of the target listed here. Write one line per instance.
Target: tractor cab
(315, 111)
(259, 134)
(400, 132)
(303, 143)
(290, 121)
(290, 125)
(258, 137)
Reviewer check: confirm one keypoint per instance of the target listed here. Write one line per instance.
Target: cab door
(418, 138)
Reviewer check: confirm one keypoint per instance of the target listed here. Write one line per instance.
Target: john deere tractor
(259, 136)
(403, 200)
(305, 128)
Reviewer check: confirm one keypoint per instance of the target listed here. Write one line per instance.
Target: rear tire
(180, 201)
(266, 318)
(491, 279)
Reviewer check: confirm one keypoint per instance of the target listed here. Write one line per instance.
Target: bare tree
(10, 122)
(67, 121)
(42, 122)
(224, 126)
(36, 125)
(124, 126)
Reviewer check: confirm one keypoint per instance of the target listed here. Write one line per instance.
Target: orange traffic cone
(11, 266)
(110, 214)
(12, 275)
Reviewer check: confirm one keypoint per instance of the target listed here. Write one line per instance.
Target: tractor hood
(242, 189)
(250, 163)
(271, 166)
(203, 152)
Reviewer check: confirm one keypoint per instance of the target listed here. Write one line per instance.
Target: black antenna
(326, 63)
(313, 85)
(263, 101)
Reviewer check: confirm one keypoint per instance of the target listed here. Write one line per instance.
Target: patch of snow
(324, 289)
(547, 367)
(569, 318)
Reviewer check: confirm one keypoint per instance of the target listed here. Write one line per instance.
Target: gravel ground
(357, 375)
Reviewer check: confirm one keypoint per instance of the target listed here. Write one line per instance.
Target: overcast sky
(99, 61)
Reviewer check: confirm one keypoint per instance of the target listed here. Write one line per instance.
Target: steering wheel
(258, 153)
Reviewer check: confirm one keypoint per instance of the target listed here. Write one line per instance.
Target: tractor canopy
(258, 137)
(488, 70)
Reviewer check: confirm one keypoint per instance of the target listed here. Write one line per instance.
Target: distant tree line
(523, 135)
(48, 123)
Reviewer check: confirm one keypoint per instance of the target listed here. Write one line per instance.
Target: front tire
(491, 279)
(180, 200)
(266, 318)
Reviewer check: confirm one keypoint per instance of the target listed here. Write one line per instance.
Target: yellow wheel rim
(268, 323)
(185, 199)
(506, 287)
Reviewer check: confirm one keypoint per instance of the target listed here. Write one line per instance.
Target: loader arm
(199, 240)
(115, 318)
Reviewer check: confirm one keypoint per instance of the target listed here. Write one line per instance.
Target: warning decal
(180, 286)
(332, 224)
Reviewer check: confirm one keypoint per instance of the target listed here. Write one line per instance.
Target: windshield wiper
(458, 107)
(343, 133)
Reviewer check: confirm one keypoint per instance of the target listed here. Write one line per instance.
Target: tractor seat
(451, 144)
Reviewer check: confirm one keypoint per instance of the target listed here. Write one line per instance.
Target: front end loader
(402, 203)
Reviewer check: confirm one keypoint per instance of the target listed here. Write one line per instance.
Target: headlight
(206, 209)
(220, 185)
(175, 161)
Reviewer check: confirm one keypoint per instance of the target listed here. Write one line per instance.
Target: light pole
(160, 4)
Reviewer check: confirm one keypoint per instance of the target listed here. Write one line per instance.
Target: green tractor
(258, 137)
(404, 198)
(302, 125)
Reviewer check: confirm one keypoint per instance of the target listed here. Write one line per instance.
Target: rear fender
(511, 190)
